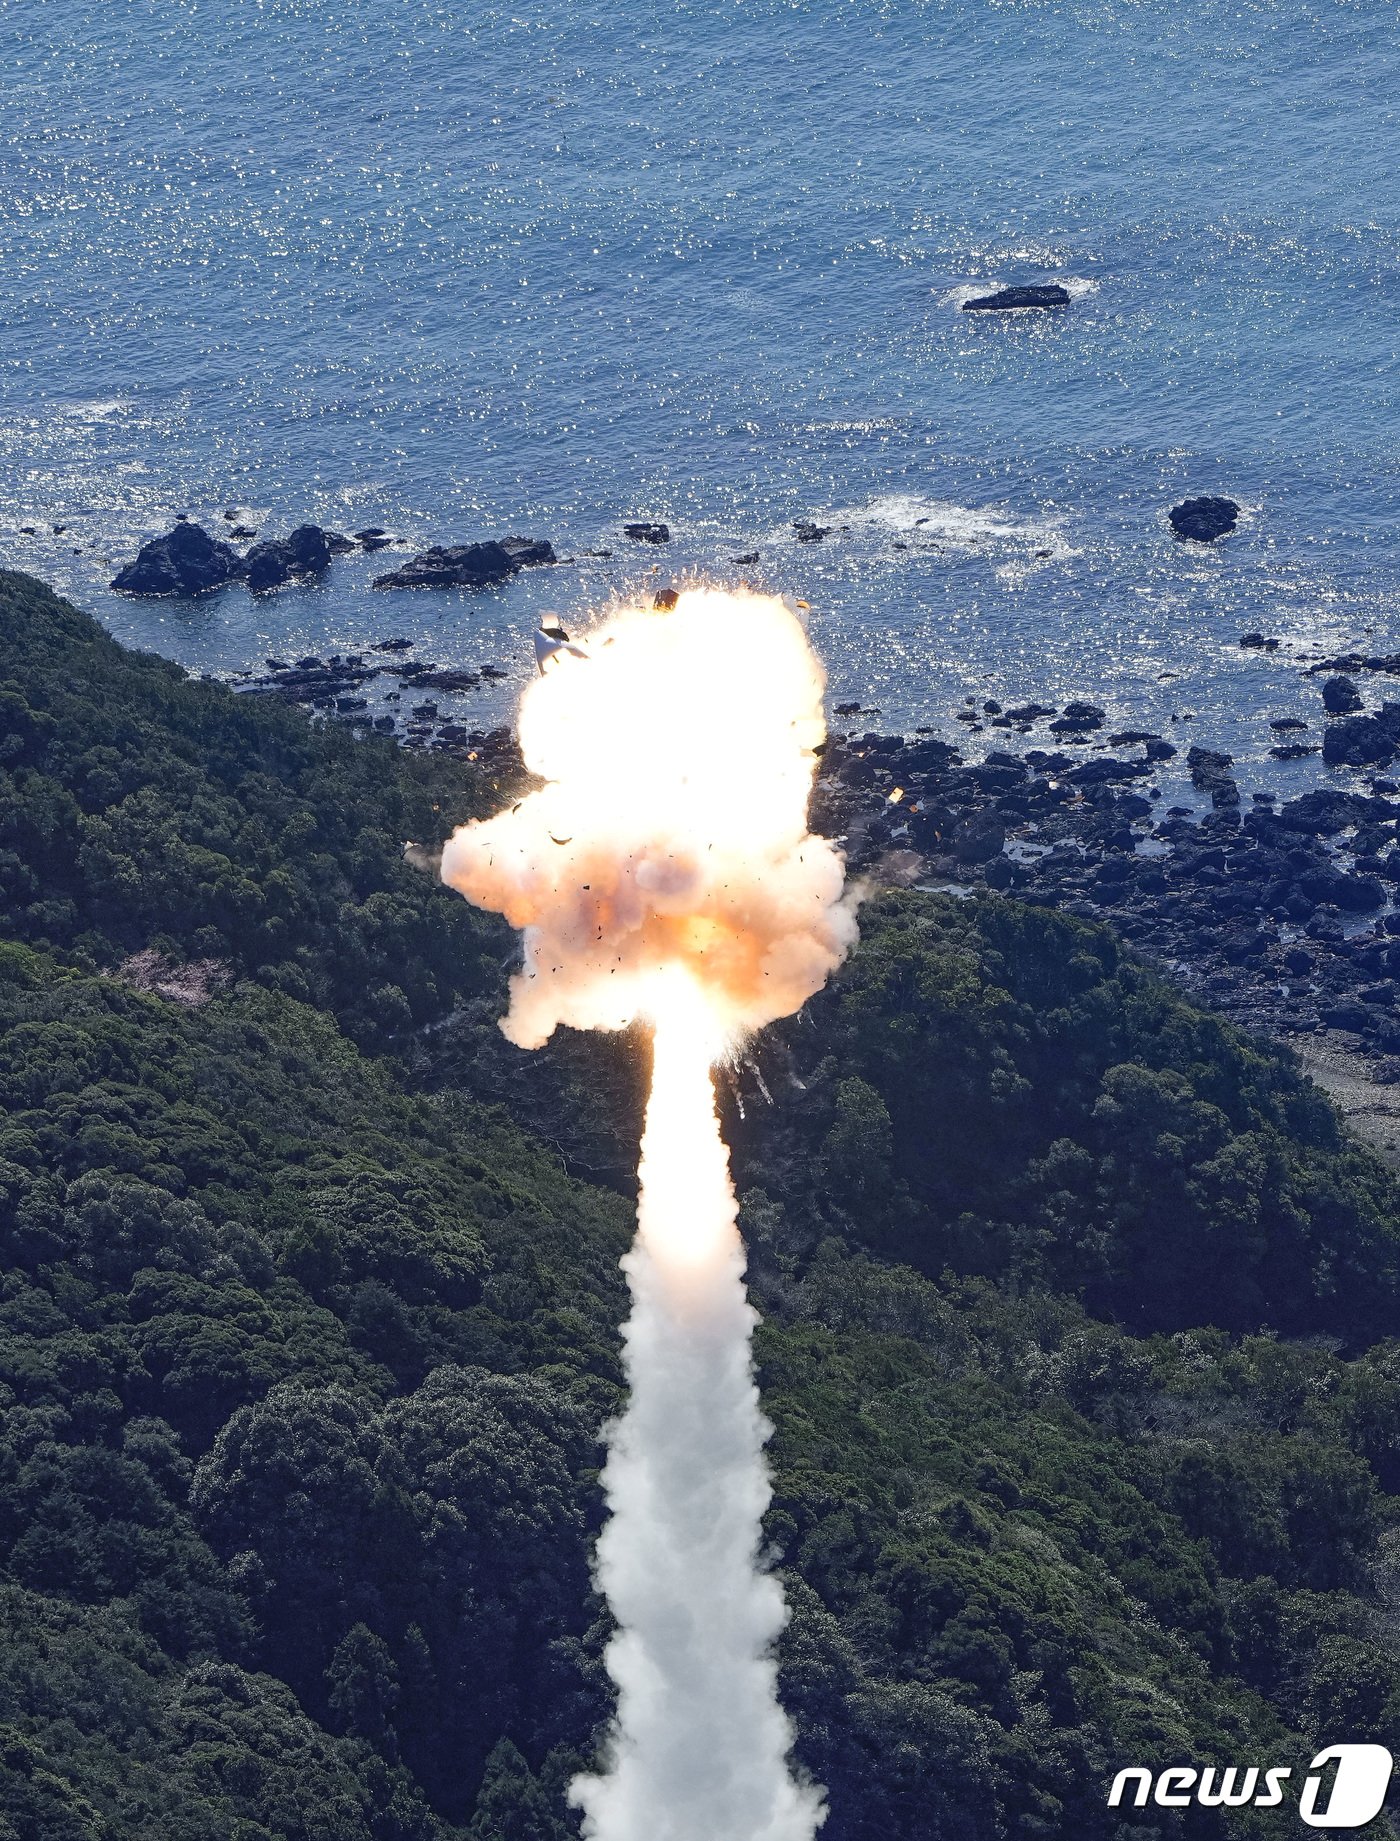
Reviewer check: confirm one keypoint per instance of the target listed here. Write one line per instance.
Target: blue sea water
(461, 270)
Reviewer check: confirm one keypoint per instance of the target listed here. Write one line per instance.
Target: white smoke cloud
(672, 826)
(665, 871)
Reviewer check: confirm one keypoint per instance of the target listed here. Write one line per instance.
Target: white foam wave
(99, 409)
(946, 525)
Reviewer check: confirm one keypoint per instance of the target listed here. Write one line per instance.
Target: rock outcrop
(1203, 520)
(1004, 300)
(468, 565)
(529, 552)
(1340, 697)
(186, 561)
(1364, 741)
(1210, 773)
(307, 552)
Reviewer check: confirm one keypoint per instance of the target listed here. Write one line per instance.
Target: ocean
(465, 271)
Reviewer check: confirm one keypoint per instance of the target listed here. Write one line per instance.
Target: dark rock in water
(1204, 519)
(187, 561)
(807, 532)
(1031, 712)
(743, 562)
(1078, 718)
(1293, 751)
(1352, 894)
(306, 552)
(1281, 724)
(1159, 751)
(1210, 773)
(529, 552)
(1257, 642)
(644, 532)
(1327, 810)
(1105, 769)
(930, 756)
(269, 565)
(244, 531)
(1005, 299)
(464, 565)
(1205, 762)
(338, 543)
(392, 645)
(1340, 697)
(446, 680)
(1364, 741)
(310, 549)
(664, 600)
(978, 838)
(374, 538)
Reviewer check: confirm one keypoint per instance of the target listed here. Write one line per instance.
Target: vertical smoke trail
(664, 870)
(700, 1744)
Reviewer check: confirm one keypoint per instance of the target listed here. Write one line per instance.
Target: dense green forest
(1087, 1443)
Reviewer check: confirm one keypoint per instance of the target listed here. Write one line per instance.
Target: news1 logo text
(1347, 1796)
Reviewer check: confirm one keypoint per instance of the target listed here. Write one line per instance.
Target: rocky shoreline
(1281, 916)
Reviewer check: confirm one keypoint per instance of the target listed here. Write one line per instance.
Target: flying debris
(551, 641)
(421, 857)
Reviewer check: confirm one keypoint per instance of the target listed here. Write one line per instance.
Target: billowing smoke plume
(665, 872)
(672, 831)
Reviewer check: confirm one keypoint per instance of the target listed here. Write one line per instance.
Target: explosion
(664, 872)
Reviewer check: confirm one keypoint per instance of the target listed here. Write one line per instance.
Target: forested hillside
(1087, 1440)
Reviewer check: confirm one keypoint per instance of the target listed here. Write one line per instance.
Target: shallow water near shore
(388, 266)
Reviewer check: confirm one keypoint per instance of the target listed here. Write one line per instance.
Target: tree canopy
(1076, 1331)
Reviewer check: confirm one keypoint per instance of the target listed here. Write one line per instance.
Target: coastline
(1277, 912)
(1370, 1108)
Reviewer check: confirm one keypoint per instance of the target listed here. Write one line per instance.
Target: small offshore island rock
(643, 532)
(469, 565)
(1340, 697)
(187, 561)
(1005, 299)
(1364, 741)
(1204, 519)
(307, 551)
(529, 552)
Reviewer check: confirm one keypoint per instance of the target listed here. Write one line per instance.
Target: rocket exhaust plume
(664, 871)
